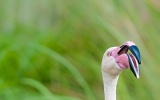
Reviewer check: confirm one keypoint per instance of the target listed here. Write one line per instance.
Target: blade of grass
(55, 56)
(41, 88)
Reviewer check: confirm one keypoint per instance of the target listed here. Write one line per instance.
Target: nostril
(123, 49)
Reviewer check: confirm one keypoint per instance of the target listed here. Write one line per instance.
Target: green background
(52, 49)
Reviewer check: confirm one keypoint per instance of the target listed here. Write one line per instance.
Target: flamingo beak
(134, 58)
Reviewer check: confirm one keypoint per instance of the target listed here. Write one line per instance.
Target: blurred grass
(52, 49)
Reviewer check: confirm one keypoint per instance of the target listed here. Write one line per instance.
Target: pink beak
(125, 59)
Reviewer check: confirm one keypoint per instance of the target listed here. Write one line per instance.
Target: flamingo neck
(110, 83)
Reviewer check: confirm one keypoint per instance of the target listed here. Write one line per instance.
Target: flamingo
(115, 60)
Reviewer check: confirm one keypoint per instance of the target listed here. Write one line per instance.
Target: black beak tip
(134, 71)
(134, 49)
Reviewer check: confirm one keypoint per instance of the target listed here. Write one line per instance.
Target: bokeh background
(52, 49)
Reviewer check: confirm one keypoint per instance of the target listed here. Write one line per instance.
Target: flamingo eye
(108, 54)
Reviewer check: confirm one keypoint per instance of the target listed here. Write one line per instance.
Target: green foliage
(52, 49)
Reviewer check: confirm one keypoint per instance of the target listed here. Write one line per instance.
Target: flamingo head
(116, 59)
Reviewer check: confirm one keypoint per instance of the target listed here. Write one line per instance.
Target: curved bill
(134, 58)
